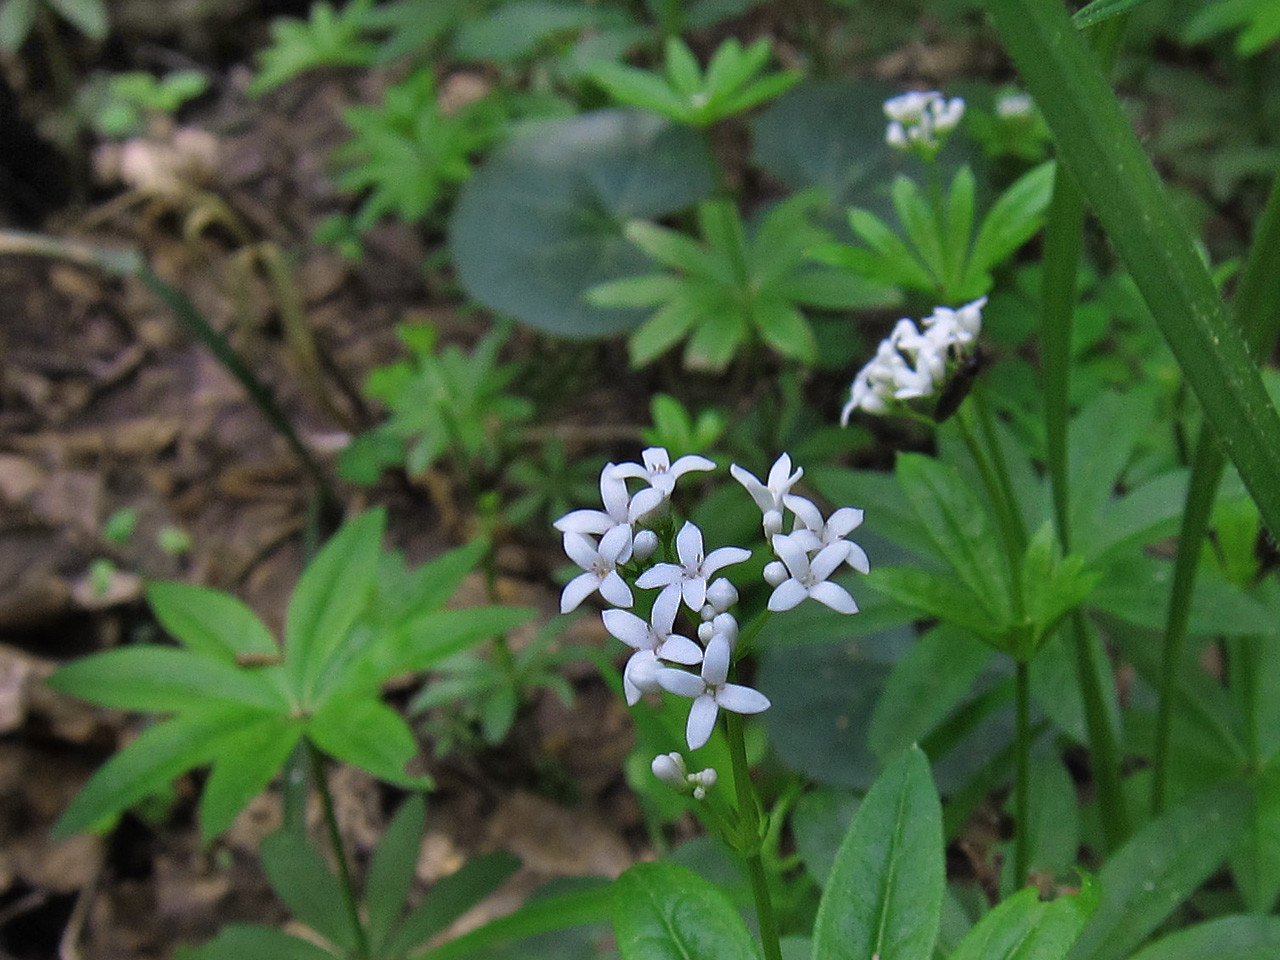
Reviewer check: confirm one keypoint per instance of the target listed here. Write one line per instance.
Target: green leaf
(884, 895)
(391, 873)
(1225, 938)
(367, 734)
(301, 877)
(516, 30)
(451, 897)
(87, 16)
(638, 88)
(1162, 865)
(921, 226)
(555, 912)
(683, 72)
(17, 17)
(785, 329)
(542, 221)
(1024, 928)
(1097, 142)
(960, 528)
(425, 641)
(246, 941)
(925, 685)
(163, 680)
(1100, 10)
(820, 821)
(665, 912)
(1256, 865)
(210, 622)
(646, 291)
(939, 595)
(1053, 826)
(332, 593)
(1013, 219)
(959, 233)
(666, 328)
(152, 761)
(243, 769)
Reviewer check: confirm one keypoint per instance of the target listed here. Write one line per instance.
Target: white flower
(600, 565)
(710, 692)
(621, 510)
(670, 768)
(809, 579)
(813, 533)
(658, 470)
(652, 641)
(690, 575)
(920, 121)
(1014, 106)
(768, 497)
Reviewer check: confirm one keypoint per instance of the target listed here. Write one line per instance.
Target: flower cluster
(621, 539)
(919, 121)
(912, 363)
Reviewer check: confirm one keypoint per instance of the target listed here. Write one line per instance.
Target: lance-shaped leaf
(662, 911)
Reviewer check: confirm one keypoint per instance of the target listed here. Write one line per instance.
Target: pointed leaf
(367, 734)
(451, 897)
(667, 912)
(244, 768)
(246, 941)
(391, 873)
(1013, 219)
(210, 622)
(884, 895)
(301, 878)
(1225, 938)
(1024, 928)
(425, 641)
(87, 16)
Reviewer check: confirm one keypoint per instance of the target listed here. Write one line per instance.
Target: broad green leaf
(334, 591)
(390, 878)
(245, 941)
(87, 16)
(366, 734)
(516, 30)
(210, 622)
(664, 912)
(153, 761)
(1025, 928)
(542, 222)
(683, 72)
(1224, 938)
(1097, 142)
(925, 685)
(940, 595)
(785, 329)
(244, 768)
(451, 897)
(425, 641)
(1012, 220)
(301, 878)
(959, 526)
(1143, 515)
(762, 91)
(592, 904)
(884, 895)
(163, 680)
(1159, 867)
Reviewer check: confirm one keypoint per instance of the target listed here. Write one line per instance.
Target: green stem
(335, 840)
(1014, 543)
(1022, 776)
(1000, 466)
(749, 811)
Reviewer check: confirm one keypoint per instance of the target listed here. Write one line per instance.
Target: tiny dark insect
(959, 385)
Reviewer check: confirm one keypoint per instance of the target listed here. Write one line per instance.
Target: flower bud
(669, 767)
(722, 594)
(706, 630)
(772, 523)
(726, 625)
(644, 545)
(775, 572)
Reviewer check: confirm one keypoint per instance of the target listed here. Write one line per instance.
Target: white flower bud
(775, 572)
(706, 630)
(702, 781)
(644, 545)
(772, 522)
(722, 595)
(726, 625)
(670, 768)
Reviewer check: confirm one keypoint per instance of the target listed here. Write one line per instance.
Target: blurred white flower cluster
(919, 121)
(911, 363)
(622, 539)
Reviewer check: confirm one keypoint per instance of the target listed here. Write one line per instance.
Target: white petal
(640, 675)
(680, 649)
(663, 616)
(788, 595)
(577, 590)
(656, 459)
(669, 767)
(695, 592)
(689, 546)
(614, 589)
(691, 461)
(644, 544)
(741, 699)
(792, 554)
(829, 558)
(722, 594)
(615, 545)
(645, 502)
(844, 521)
(613, 493)
(681, 682)
(834, 596)
(723, 557)
(715, 662)
(857, 558)
(702, 720)
(581, 549)
(762, 497)
(628, 628)
(806, 511)
(584, 521)
(775, 571)
(659, 575)
(630, 470)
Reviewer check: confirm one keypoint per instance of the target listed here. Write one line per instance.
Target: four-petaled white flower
(919, 121)
(816, 533)
(809, 578)
(651, 641)
(600, 562)
(621, 511)
(710, 692)
(689, 576)
(658, 470)
(768, 496)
